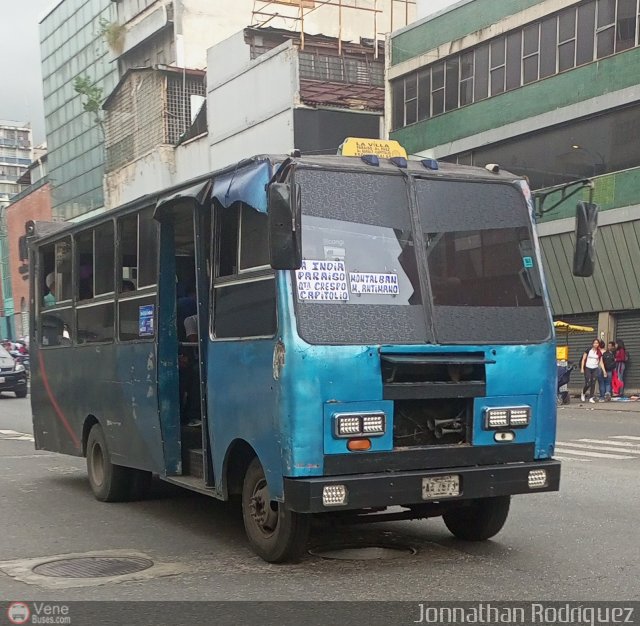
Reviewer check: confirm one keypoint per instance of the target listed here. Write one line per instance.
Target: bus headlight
(334, 495)
(359, 424)
(507, 417)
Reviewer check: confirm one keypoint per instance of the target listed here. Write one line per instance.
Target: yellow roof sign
(355, 146)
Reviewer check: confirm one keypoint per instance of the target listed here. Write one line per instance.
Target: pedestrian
(622, 356)
(591, 362)
(609, 362)
(601, 379)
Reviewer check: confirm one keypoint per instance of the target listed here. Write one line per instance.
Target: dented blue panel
(247, 183)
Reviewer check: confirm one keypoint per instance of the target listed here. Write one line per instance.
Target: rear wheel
(478, 520)
(109, 482)
(275, 533)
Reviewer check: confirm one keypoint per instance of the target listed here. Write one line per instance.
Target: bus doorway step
(194, 463)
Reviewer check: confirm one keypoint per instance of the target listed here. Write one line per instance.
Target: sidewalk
(622, 404)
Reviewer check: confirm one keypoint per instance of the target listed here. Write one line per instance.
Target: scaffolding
(266, 11)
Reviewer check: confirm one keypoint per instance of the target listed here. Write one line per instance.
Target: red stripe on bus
(56, 406)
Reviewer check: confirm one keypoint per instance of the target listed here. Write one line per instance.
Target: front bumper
(304, 495)
(10, 381)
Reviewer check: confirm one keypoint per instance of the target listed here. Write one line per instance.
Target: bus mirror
(586, 226)
(284, 227)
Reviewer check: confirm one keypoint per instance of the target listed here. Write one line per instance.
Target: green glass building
(72, 46)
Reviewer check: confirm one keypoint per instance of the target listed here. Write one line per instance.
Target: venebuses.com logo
(18, 613)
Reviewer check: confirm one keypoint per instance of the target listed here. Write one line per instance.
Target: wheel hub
(262, 511)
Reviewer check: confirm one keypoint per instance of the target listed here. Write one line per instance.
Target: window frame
(216, 281)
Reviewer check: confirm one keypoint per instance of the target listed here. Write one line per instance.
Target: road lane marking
(14, 435)
(625, 437)
(598, 455)
(608, 442)
(586, 446)
(568, 458)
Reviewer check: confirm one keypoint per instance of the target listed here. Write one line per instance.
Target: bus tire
(20, 393)
(109, 482)
(480, 520)
(275, 533)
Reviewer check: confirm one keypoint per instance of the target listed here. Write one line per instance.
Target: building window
(559, 42)
(437, 89)
(498, 68)
(567, 40)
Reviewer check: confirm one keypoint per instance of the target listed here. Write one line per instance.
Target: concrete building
(72, 47)
(270, 87)
(33, 203)
(549, 89)
(15, 157)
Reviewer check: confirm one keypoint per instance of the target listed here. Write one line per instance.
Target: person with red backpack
(591, 363)
(622, 356)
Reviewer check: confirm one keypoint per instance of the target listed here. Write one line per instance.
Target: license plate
(2, 379)
(440, 487)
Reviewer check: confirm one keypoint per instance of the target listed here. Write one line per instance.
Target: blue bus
(314, 334)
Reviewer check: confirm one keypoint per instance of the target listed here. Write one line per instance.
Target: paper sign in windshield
(322, 281)
(374, 284)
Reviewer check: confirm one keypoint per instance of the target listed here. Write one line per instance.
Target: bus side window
(244, 294)
(54, 294)
(84, 265)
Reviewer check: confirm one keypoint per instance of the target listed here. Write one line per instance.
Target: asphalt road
(579, 544)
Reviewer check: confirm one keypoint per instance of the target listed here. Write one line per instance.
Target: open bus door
(185, 236)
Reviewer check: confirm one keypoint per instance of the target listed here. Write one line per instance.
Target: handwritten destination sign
(322, 281)
(374, 284)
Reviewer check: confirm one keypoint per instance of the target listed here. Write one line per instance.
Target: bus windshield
(360, 278)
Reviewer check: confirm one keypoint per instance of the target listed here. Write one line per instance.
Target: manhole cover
(93, 567)
(364, 553)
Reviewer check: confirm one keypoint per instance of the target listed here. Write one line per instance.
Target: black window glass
(424, 95)
(411, 112)
(95, 323)
(398, 103)
(410, 87)
(228, 223)
(605, 42)
(451, 89)
(497, 81)
(586, 27)
(437, 76)
(531, 39)
(104, 259)
(128, 227)
(548, 40)
(481, 73)
(84, 265)
(136, 318)
(626, 21)
(254, 241)
(497, 52)
(148, 245)
(566, 56)
(466, 66)
(246, 309)
(530, 69)
(567, 25)
(56, 327)
(437, 102)
(606, 12)
(482, 268)
(514, 44)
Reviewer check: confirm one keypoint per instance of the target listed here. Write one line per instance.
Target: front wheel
(275, 533)
(20, 393)
(479, 520)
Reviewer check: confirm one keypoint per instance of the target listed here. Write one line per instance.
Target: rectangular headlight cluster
(537, 479)
(359, 424)
(507, 417)
(334, 495)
